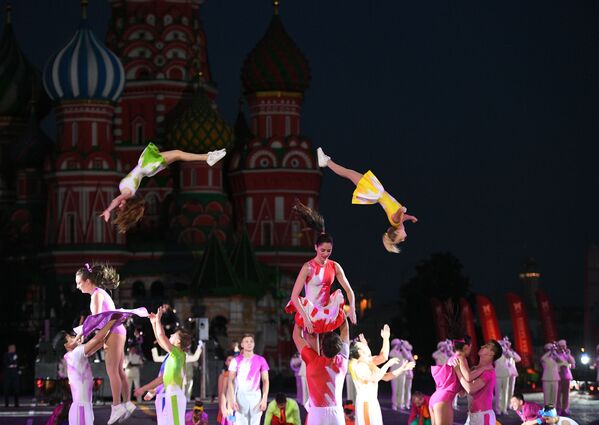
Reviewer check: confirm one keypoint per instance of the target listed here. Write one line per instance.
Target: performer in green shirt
(174, 370)
(282, 411)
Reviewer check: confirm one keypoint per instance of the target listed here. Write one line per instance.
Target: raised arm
(383, 356)
(344, 331)
(299, 341)
(157, 358)
(515, 356)
(195, 356)
(406, 365)
(161, 337)
(340, 275)
(375, 374)
(295, 294)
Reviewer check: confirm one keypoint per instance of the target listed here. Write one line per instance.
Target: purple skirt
(98, 321)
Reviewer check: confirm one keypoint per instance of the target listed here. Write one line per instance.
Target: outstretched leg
(177, 155)
(211, 157)
(326, 161)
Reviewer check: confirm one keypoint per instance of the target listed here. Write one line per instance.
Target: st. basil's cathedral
(219, 242)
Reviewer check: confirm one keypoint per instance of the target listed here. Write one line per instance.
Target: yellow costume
(369, 190)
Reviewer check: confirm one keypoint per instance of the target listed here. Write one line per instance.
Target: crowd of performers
(328, 359)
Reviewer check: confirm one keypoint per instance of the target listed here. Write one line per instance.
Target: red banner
(488, 318)
(546, 316)
(440, 318)
(468, 320)
(522, 337)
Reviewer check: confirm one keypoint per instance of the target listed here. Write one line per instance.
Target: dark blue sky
(481, 118)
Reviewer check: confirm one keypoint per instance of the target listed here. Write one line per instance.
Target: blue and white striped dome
(84, 69)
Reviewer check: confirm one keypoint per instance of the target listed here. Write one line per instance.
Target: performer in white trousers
(406, 354)
(246, 371)
(397, 384)
(133, 363)
(325, 374)
(191, 362)
(565, 375)
(502, 374)
(550, 377)
(512, 358)
(79, 371)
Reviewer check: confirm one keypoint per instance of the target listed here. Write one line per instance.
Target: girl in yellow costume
(369, 190)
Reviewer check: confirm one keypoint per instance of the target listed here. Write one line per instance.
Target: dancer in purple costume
(94, 279)
(79, 371)
(448, 383)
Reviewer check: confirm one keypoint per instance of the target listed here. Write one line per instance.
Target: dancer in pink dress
(448, 384)
(94, 279)
(319, 311)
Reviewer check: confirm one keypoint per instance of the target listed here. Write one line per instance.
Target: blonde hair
(130, 214)
(388, 241)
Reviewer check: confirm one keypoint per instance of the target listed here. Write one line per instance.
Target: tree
(439, 276)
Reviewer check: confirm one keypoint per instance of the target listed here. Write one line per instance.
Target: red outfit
(324, 309)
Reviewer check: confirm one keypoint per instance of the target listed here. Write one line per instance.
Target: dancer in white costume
(502, 374)
(366, 376)
(398, 383)
(550, 378)
(565, 377)
(406, 354)
(79, 372)
(512, 359)
(246, 372)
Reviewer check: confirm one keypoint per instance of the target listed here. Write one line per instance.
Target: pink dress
(108, 305)
(447, 382)
(324, 309)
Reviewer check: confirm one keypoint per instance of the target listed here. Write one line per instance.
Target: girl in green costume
(151, 162)
(174, 369)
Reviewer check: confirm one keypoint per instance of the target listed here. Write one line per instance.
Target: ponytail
(312, 219)
(102, 275)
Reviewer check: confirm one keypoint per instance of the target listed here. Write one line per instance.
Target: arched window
(157, 289)
(139, 290)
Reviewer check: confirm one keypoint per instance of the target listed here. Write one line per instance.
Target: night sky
(481, 118)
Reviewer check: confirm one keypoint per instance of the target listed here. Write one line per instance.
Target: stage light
(585, 359)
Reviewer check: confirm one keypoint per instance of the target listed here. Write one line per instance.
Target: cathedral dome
(276, 63)
(200, 128)
(84, 69)
(17, 75)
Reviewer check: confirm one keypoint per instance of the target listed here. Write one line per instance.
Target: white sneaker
(215, 156)
(130, 408)
(116, 412)
(323, 159)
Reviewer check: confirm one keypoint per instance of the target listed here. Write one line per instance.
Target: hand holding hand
(453, 361)
(139, 392)
(407, 366)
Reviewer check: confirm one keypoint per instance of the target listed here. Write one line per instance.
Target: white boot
(215, 156)
(116, 412)
(323, 159)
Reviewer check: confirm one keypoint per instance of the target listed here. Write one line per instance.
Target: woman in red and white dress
(319, 311)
